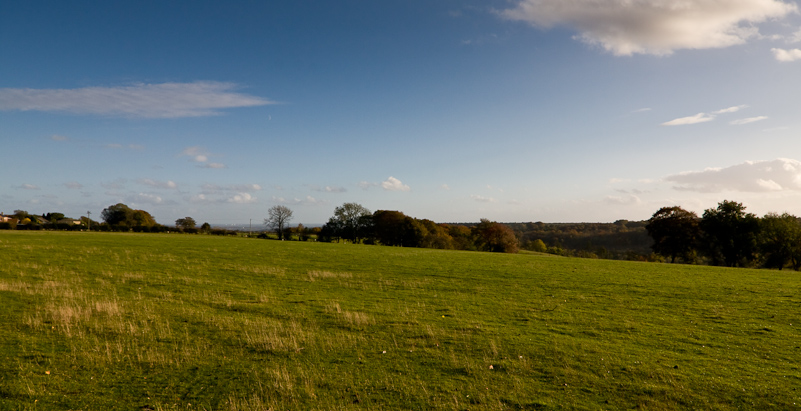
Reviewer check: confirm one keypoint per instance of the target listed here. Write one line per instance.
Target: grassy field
(93, 321)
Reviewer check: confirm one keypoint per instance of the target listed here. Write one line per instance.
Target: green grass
(92, 321)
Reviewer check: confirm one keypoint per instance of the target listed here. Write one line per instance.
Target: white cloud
(197, 154)
(393, 184)
(752, 176)
(482, 199)
(698, 118)
(166, 100)
(730, 109)
(703, 117)
(170, 185)
(444, 187)
(242, 198)
(748, 120)
(73, 185)
(626, 27)
(213, 165)
(27, 186)
(786, 56)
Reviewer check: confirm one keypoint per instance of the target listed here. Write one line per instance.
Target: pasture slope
(94, 321)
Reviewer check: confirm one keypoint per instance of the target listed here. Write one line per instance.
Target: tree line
(727, 236)
(354, 223)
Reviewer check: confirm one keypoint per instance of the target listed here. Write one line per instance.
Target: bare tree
(279, 217)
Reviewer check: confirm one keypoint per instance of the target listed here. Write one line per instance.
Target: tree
(780, 240)
(118, 214)
(141, 218)
(278, 217)
(495, 237)
(730, 234)
(53, 217)
(675, 232)
(351, 221)
(186, 222)
(205, 228)
(122, 215)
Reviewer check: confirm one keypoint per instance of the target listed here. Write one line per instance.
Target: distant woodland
(726, 235)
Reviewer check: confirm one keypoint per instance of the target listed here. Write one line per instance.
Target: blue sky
(519, 110)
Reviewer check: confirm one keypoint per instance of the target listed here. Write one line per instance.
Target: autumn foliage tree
(495, 237)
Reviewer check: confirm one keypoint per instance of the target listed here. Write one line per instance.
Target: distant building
(6, 218)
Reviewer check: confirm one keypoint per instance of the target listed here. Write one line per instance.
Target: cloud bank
(166, 100)
(752, 176)
(626, 27)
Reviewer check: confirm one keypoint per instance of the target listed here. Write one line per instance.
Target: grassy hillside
(124, 321)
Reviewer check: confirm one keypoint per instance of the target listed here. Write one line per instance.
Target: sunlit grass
(122, 321)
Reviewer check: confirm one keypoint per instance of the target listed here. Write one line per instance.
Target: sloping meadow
(97, 321)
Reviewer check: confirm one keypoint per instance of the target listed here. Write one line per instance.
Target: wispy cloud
(328, 189)
(733, 109)
(169, 185)
(482, 199)
(703, 117)
(622, 200)
(696, 119)
(242, 198)
(653, 26)
(27, 186)
(198, 154)
(116, 146)
(57, 137)
(73, 185)
(366, 185)
(213, 165)
(752, 176)
(786, 56)
(748, 120)
(166, 100)
(393, 184)
(309, 200)
(145, 198)
(245, 188)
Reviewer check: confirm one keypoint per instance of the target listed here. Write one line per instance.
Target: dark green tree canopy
(186, 222)
(351, 221)
(122, 215)
(780, 240)
(675, 232)
(730, 234)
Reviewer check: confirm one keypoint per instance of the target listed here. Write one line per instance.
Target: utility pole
(250, 231)
(88, 221)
